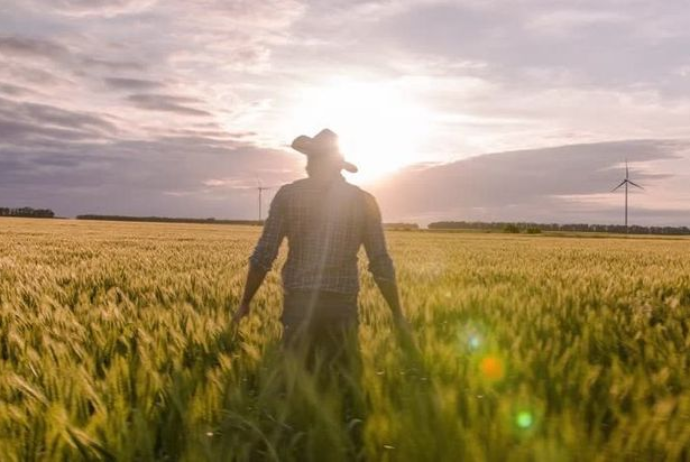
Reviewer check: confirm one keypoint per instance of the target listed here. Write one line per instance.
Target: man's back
(325, 224)
(325, 220)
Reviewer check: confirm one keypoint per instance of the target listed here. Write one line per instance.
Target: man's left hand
(241, 312)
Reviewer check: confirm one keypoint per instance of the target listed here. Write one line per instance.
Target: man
(325, 220)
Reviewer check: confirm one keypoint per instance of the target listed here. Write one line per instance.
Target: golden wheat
(115, 344)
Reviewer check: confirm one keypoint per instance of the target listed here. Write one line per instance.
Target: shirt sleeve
(266, 249)
(380, 263)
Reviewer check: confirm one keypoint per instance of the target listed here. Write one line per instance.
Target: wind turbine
(261, 188)
(626, 181)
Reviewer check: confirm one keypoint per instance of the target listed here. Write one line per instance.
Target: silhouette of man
(325, 220)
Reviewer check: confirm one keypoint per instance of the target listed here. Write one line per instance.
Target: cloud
(73, 128)
(568, 21)
(268, 13)
(13, 131)
(232, 183)
(48, 115)
(683, 71)
(601, 43)
(167, 103)
(40, 60)
(159, 177)
(13, 90)
(30, 76)
(562, 184)
(113, 65)
(21, 122)
(123, 83)
(106, 8)
(31, 47)
(179, 58)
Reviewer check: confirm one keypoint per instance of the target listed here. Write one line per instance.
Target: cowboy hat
(325, 143)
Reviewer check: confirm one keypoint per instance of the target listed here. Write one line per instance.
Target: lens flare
(492, 368)
(524, 419)
(475, 342)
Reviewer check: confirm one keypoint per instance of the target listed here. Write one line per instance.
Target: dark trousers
(319, 322)
(320, 331)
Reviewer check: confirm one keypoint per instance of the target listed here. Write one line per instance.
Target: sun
(380, 128)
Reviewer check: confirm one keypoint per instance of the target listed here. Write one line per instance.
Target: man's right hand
(403, 330)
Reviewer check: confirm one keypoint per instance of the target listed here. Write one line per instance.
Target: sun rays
(380, 127)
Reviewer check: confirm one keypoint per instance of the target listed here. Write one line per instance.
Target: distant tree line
(517, 227)
(391, 226)
(26, 212)
(168, 219)
(401, 226)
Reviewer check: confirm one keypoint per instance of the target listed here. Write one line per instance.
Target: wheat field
(116, 344)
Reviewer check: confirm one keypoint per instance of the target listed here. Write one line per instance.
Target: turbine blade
(622, 183)
(635, 184)
(626, 169)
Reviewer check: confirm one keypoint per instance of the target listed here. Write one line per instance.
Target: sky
(468, 109)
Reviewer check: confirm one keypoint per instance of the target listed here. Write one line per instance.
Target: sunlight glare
(379, 127)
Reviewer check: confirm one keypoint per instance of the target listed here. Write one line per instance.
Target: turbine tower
(626, 181)
(261, 188)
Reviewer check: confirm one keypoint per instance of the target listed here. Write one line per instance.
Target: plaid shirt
(325, 226)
